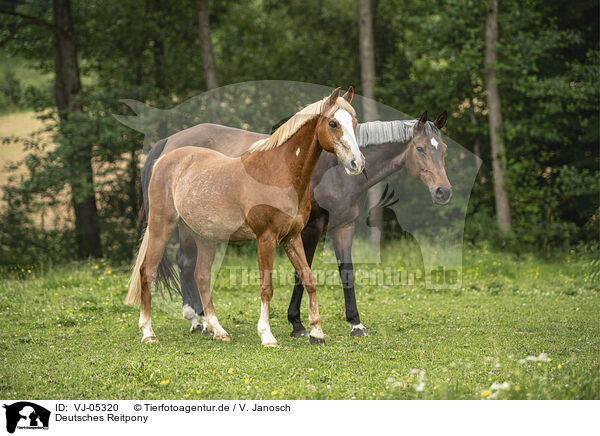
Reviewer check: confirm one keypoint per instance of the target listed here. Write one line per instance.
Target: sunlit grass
(516, 329)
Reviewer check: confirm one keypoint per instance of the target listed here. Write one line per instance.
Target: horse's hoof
(206, 333)
(359, 331)
(225, 338)
(197, 329)
(299, 333)
(149, 339)
(270, 344)
(316, 341)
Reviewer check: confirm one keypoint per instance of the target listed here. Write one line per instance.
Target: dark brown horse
(336, 198)
(263, 195)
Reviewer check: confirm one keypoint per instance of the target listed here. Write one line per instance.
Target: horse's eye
(420, 150)
(333, 124)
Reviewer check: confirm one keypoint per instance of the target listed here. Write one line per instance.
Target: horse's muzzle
(441, 195)
(355, 167)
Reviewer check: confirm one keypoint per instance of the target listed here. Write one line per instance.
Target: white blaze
(434, 143)
(345, 120)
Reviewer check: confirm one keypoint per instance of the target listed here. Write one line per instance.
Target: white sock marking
(146, 328)
(264, 329)
(215, 327)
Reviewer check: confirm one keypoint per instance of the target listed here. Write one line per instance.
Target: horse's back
(227, 140)
(200, 157)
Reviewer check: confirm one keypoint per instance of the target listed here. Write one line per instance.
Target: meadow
(517, 328)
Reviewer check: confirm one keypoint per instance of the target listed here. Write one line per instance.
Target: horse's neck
(381, 161)
(302, 152)
(292, 163)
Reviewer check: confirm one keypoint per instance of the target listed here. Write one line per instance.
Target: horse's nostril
(443, 194)
(353, 164)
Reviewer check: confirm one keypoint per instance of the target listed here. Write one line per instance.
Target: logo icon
(26, 415)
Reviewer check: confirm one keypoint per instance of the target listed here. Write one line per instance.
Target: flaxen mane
(291, 126)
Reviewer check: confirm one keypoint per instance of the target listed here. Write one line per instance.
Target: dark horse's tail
(166, 277)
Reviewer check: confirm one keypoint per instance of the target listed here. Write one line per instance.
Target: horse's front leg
(267, 243)
(342, 244)
(310, 239)
(295, 252)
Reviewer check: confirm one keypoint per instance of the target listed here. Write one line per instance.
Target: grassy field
(19, 124)
(516, 329)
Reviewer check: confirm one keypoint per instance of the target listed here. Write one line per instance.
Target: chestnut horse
(262, 195)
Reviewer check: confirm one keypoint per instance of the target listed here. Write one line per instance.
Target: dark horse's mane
(385, 132)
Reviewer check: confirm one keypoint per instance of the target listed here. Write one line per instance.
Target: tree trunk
(367, 79)
(473, 118)
(68, 92)
(495, 117)
(157, 12)
(367, 59)
(208, 58)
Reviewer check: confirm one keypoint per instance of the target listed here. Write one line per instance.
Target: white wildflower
(543, 357)
(500, 386)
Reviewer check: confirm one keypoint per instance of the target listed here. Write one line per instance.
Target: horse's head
(425, 158)
(335, 131)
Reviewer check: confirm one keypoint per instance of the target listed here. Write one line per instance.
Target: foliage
(429, 55)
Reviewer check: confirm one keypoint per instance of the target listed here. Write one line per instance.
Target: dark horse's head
(425, 158)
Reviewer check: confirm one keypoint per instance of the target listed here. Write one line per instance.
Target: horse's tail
(166, 277)
(134, 295)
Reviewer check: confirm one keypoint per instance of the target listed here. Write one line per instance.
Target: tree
(495, 118)
(367, 59)
(208, 58)
(67, 92)
(367, 75)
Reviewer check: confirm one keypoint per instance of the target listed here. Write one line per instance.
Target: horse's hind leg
(266, 253)
(342, 244)
(186, 260)
(204, 260)
(159, 232)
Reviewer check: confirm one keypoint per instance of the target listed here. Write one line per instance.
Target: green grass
(67, 335)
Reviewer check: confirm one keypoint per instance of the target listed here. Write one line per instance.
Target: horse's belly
(216, 231)
(212, 222)
(209, 209)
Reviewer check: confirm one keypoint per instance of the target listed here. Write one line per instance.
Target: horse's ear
(349, 95)
(421, 122)
(333, 98)
(441, 120)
